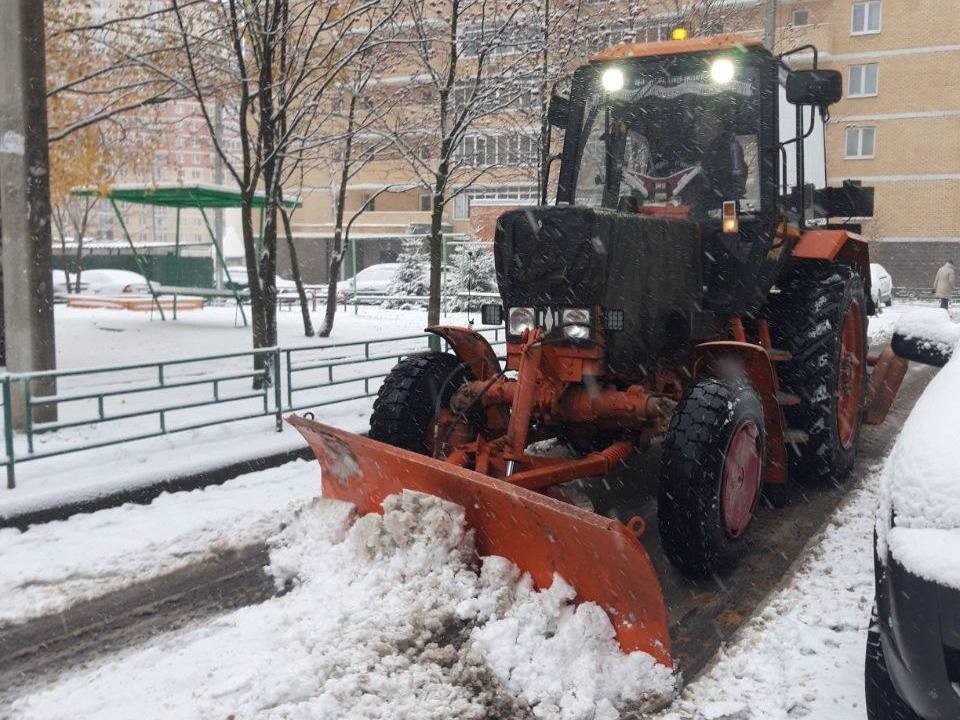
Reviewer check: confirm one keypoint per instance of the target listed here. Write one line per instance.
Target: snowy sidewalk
(57, 564)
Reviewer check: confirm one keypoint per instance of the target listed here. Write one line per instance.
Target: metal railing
(90, 408)
(369, 365)
(292, 378)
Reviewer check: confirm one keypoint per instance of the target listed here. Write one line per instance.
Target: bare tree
(274, 61)
(473, 62)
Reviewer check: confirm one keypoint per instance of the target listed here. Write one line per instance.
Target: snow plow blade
(600, 558)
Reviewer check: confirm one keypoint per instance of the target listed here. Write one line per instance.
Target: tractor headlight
(575, 323)
(612, 79)
(522, 318)
(722, 71)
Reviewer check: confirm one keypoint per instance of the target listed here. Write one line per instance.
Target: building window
(860, 142)
(368, 202)
(800, 18)
(865, 18)
(863, 80)
(426, 202)
(461, 207)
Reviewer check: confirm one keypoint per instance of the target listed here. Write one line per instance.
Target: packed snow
(54, 565)
(385, 617)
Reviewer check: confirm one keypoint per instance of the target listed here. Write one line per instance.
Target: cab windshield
(675, 135)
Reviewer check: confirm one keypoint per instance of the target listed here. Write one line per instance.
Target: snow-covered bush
(470, 271)
(413, 275)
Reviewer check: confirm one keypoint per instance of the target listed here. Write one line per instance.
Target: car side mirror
(559, 111)
(926, 336)
(814, 87)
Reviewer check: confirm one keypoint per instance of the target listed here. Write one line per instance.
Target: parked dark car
(912, 667)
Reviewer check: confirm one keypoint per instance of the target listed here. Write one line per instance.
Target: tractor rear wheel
(711, 475)
(820, 318)
(405, 411)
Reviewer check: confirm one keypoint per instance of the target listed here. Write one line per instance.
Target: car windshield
(678, 132)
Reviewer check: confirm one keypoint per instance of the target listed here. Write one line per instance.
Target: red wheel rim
(850, 376)
(740, 487)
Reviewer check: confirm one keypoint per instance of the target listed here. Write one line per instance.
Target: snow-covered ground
(389, 619)
(56, 564)
(802, 655)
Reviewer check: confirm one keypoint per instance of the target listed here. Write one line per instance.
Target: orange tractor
(687, 288)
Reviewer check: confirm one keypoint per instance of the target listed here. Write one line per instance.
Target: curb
(144, 494)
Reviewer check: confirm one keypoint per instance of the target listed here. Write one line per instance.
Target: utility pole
(25, 203)
(770, 24)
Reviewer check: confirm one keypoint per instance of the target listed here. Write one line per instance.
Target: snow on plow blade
(599, 557)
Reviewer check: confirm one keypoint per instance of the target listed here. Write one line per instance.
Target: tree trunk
(436, 247)
(336, 254)
(295, 270)
(257, 314)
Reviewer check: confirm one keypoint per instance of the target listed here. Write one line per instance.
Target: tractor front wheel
(711, 475)
(405, 411)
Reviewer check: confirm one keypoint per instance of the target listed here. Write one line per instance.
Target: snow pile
(921, 485)
(387, 618)
(414, 567)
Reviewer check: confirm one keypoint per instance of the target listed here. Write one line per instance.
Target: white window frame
(793, 18)
(867, 4)
(461, 207)
(863, 78)
(859, 130)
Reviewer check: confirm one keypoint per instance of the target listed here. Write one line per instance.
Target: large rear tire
(405, 410)
(711, 475)
(820, 318)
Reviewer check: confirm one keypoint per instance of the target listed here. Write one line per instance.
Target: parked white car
(373, 280)
(101, 282)
(239, 279)
(881, 285)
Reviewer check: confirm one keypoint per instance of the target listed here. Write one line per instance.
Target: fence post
(8, 433)
(277, 390)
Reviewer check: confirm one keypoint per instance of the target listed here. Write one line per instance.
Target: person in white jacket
(944, 284)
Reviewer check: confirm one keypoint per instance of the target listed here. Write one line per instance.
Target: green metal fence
(291, 379)
(150, 379)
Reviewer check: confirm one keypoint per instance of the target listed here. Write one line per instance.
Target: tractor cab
(673, 130)
(714, 131)
(674, 136)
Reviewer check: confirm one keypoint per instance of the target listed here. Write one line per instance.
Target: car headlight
(522, 318)
(575, 323)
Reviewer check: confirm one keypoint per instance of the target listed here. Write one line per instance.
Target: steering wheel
(658, 190)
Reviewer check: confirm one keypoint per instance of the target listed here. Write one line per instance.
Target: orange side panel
(820, 244)
(471, 348)
(598, 556)
(676, 47)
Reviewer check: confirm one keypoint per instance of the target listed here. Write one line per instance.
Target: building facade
(897, 129)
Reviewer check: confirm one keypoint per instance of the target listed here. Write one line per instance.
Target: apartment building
(898, 126)
(897, 129)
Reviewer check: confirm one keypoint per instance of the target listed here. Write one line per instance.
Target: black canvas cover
(581, 257)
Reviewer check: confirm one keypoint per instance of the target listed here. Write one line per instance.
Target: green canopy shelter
(199, 196)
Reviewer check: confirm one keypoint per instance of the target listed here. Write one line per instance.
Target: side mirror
(814, 87)
(926, 336)
(559, 111)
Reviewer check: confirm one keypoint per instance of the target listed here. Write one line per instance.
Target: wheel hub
(742, 470)
(850, 376)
